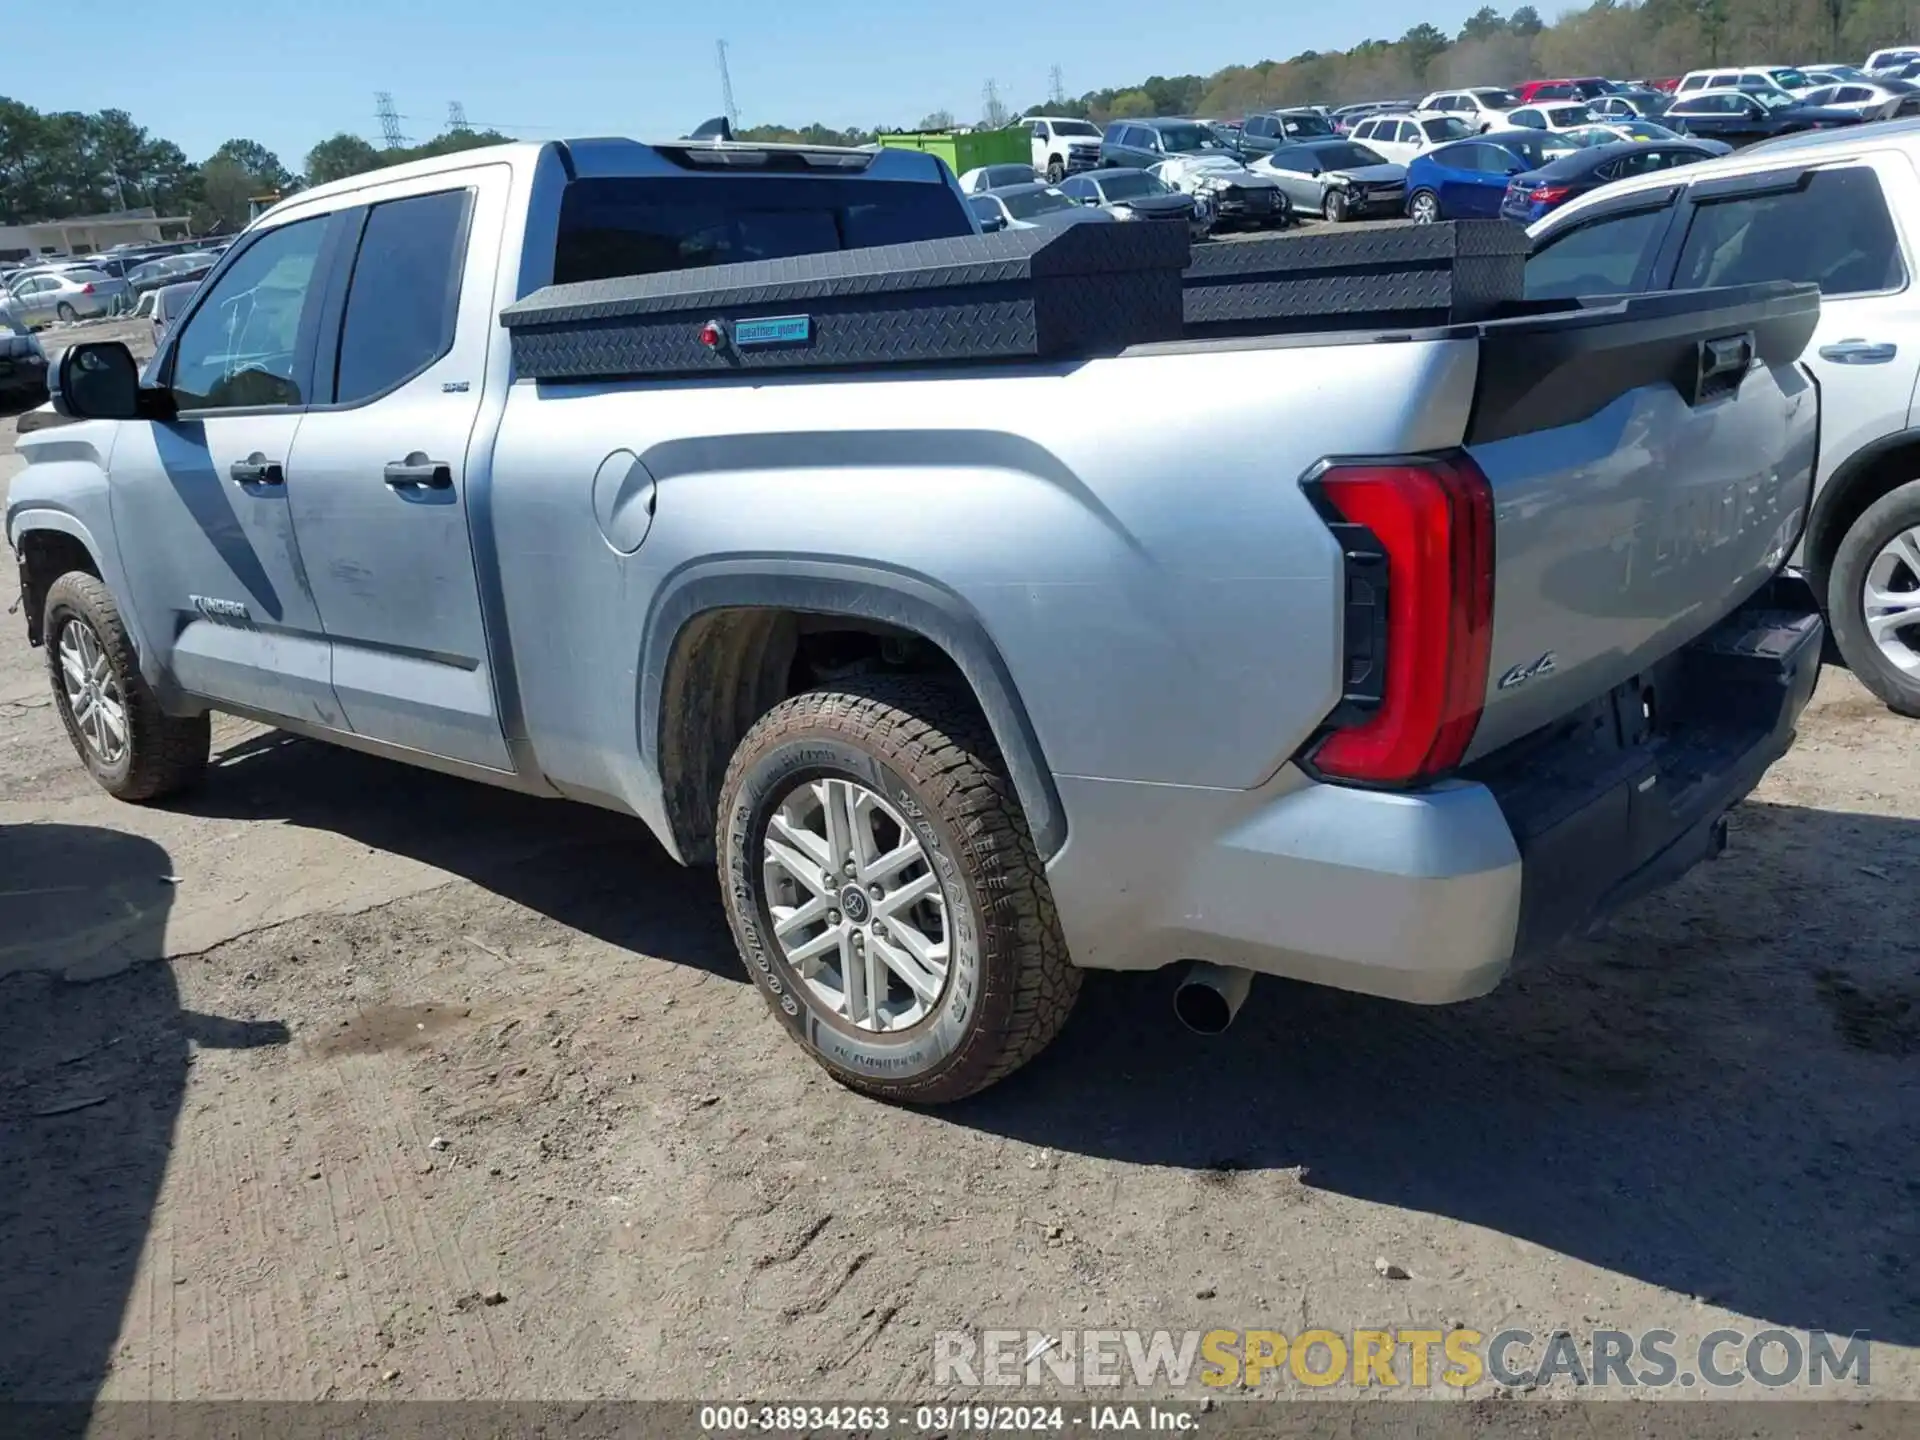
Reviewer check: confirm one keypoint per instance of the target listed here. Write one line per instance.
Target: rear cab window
(1606, 256)
(631, 225)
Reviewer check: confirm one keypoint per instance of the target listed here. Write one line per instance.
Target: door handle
(1859, 352)
(256, 469)
(417, 472)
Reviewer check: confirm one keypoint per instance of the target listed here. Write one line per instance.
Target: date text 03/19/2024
(947, 1419)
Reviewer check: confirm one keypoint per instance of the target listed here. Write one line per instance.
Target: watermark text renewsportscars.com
(1400, 1358)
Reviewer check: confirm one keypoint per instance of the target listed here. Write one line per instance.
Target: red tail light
(1434, 519)
(1551, 194)
(86, 289)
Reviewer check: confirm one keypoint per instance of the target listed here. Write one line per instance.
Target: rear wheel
(1873, 599)
(133, 748)
(66, 312)
(1424, 207)
(885, 892)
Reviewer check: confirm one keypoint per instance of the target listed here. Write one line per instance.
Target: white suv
(1484, 107)
(1841, 208)
(1062, 144)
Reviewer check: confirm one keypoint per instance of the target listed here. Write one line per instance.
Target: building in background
(86, 234)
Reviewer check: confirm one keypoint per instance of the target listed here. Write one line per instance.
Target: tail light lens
(87, 289)
(1551, 194)
(1434, 519)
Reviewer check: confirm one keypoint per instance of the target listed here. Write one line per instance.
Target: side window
(1532, 119)
(1040, 130)
(1260, 126)
(405, 292)
(1598, 259)
(1836, 232)
(243, 344)
(1693, 82)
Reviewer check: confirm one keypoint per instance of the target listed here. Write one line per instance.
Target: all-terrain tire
(164, 754)
(1056, 171)
(1889, 517)
(922, 745)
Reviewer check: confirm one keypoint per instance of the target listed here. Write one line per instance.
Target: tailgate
(1651, 463)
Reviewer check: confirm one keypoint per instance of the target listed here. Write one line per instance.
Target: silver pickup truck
(1375, 659)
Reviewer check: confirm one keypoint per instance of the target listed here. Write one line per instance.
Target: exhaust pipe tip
(1210, 995)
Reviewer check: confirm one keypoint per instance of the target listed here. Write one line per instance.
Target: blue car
(1537, 192)
(1467, 180)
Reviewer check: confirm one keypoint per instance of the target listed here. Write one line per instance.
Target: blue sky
(290, 74)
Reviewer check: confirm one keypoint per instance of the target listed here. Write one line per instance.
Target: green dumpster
(969, 150)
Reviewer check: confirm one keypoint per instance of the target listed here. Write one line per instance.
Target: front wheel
(66, 312)
(885, 892)
(1424, 208)
(1873, 599)
(133, 748)
(1334, 207)
(1056, 172)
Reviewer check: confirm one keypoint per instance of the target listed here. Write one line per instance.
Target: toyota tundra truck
(1379, 659)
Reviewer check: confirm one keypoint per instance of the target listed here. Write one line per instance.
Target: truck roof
(608, 155)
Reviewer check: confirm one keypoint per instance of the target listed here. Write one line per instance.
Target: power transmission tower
(1056, 88)
(457, 116)
(731, 110)
(993, 113)
(389, 120)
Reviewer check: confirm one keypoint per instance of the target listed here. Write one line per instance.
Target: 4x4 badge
(1520, 674)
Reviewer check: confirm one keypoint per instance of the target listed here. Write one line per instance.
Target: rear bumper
(1433, 896)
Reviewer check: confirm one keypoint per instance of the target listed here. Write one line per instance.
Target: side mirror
(991, 224)
(97, 381)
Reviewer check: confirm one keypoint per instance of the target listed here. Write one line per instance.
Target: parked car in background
(1484, 107)
(1588, 136)
(161, 307)
(1833, 223)
(1232, 193)
(1758, 79)
(1468, 180)
(1347, 116)
(1259, 133)
(1138, 195)
(1741, 117)
(1836, 75)
(1399, 138)
(45, 297)
(1063, 144)
(1555, 115)
(1909, 71)
(1030, 207)
(1869, 99)
(171, 269)
(1337, 179)
(1897, 58)
(1140, 144)
(992, 177)
(1535, 194)
(1590, 88)
(23, 364)
(1630, 105)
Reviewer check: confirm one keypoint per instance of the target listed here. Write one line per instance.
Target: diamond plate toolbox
(1334, 278)
(1079, 290)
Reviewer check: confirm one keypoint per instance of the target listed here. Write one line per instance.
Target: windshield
(1134, 184)
(1791, 79)
(1073, 127)
(1498, 99)
(1345, 157)
(1025, 204)
(1566, 114)
(1305, 127)
(1184, 139)
(1646, 130)
(1772, 99)
(1447, 127)
(1538, 150)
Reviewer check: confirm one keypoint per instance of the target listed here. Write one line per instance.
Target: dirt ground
(436, 1091)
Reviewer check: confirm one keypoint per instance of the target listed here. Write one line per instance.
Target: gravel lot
(339, 1079)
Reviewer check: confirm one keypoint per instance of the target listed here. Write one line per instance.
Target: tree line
(54, 165)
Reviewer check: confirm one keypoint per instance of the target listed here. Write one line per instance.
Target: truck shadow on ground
(598, 872)
(1720, 1095)
(91, 1079)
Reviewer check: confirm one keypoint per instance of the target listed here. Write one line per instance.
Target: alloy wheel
(1891, 600)
(93, 693)
(857, 910)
